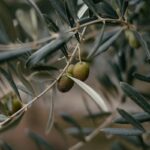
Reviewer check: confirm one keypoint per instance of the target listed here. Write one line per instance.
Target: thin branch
(25, 107)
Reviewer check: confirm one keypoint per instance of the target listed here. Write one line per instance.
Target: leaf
(24, 81)
(99, 115)
(50, 120)
(48, 49)
(98, 41)
(122, 4)
(9, 78)
(106, 10)
(5, 146)
(2, 117)
(11, 123)
(72, 7)
(143, 44)
(106, 45)
(92, 7)
(13, 54)
(118, 146)
(58, 6)
(131, 119)
(39, 140)
(141, 117)
(69, 119)
(135, 96)
(122, 132)
(142, 77)
(43, 67)
(93, 94)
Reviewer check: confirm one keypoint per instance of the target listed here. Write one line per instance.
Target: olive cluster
(80, 71)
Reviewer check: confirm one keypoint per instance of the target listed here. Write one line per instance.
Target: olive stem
(25, 107)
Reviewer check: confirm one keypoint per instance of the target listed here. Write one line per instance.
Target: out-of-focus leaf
(141, 117)
(118, 146)
(99, 115)
(122, 132)
(93, 94)
(11, 123)
(135, 96)
(24, 89)
(116, 70)
(75, 132)
(107, 83)
(42, 26)
(143, 44)
(2, 117)
(50, 120)
(9, 78)
(24, 81)
(131, 119)
(97, 42)
(39, 140)
(92, 7)
(48, 49)
(5, 146)
(106, 10)
(58, 6)
(142, 77)
(69, 119)
(72, 9)
(106, 45)
(13, 54)
(7, 21)
(71, 19)
(131, 71)
(122, 60)
(42, 67)
(122, 4)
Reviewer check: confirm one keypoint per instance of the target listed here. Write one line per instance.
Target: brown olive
(64, 84)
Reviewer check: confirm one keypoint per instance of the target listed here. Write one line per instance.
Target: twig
(25, 107)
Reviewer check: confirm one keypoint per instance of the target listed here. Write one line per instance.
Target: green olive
(81, 70)
(16, 105)
(70, 69)
(133, 41)
(64, 84)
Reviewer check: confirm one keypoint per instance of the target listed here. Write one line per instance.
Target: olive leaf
(131, 119)
(93, 94)
(142, 77)
(135, 96)
(122, 131)
(48, 49)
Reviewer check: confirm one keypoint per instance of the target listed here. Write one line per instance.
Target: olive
(16, 105)
(133, 41)
(70, 69)
(81, 70)
(64, 84)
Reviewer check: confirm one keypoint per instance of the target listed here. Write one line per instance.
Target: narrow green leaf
(58, 6)
(106, 45)
(122, 132)
(141, 117)
(97, 42)
(91, 6)
(48, 49)
(131, 119)
(142, 77)
(9, 78)
(69, 119)
(143, 44)
(39, 140)
(13, 54)
(93, 94)
(5, 146)
(135, 96)
(11, 123)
